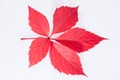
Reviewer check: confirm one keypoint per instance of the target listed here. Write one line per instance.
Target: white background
(99, 16)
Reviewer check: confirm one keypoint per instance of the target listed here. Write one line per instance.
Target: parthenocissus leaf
(79, 39)
(65, 59)
(63, 52)
(38, 22)
(64, 18)
(38, 50)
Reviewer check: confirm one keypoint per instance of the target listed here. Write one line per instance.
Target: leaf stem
(27, 38)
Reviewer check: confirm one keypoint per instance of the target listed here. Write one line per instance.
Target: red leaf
(64, 18)
(63, 56)
(65, 59)
(38, 22)
(38, 50)
(79, 39)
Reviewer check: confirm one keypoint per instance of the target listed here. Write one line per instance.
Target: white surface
(99, 16)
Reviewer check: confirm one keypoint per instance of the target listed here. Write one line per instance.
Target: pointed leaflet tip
(38, 22)
(65, 59)
(64, 18)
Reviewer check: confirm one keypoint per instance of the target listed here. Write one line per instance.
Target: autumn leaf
(65, 59)
(38, 22)
(64, 18)
(79, 39)
(38, 50)
(63, 49)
